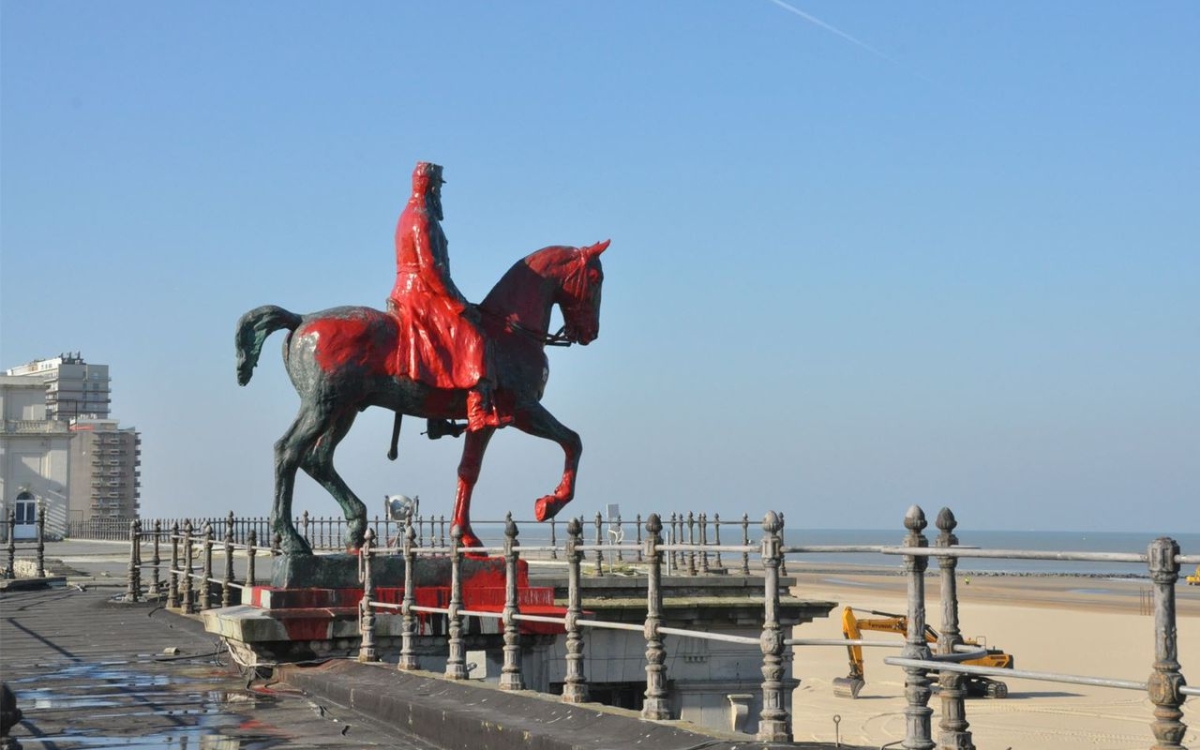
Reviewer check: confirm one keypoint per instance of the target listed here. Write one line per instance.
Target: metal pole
(207, 571)
(599, 551)
(655, 705)
(510, 673)
(637, 525)
(575, 688)
(745, 543)
(408, 659)
(366, 615)
(456, 662)
(155, 562)
(185, 584)
(10, 570)
(173, 574)
(1166, 680)
(41, 542)
(917, 729)
(691, 540)
(774, 724)
(954, 734)
(553, 539)
(133, 585)
(227, 579)
(717, 533)
(251, 554)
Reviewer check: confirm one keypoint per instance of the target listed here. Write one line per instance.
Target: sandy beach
(1085, 626)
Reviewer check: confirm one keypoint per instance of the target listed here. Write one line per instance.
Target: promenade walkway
(91, 671)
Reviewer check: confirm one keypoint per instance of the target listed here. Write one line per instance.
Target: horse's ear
(594, 250)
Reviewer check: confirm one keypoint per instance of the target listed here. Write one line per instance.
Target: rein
(545, 338)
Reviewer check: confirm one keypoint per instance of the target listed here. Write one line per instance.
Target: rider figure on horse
(445, 346)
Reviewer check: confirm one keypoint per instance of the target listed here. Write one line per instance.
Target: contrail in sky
(833, 30)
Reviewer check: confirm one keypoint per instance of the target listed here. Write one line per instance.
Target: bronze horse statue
(343, 360)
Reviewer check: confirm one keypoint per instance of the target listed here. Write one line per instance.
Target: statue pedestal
(310, 610)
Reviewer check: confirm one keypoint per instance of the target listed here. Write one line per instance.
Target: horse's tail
(253, 329)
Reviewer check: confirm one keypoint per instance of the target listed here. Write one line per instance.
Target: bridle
(545, 338)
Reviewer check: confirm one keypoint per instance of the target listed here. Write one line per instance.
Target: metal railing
(922, 664)
(38, 543)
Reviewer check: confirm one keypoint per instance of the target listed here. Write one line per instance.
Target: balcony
(36, 427)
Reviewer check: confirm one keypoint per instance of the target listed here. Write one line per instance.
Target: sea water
(1044, 541)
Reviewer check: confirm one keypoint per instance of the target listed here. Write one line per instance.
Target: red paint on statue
(446, 348)
(357, 340)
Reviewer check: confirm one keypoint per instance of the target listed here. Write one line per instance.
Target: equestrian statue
(430, 354)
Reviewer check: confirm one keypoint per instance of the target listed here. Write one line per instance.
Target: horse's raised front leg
(475, 445)
(535, 420)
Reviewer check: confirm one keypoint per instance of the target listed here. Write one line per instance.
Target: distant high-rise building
(60, 450)
(104, 476)
(74, 389)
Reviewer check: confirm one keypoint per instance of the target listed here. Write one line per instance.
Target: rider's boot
(440, 428)
(481, 408)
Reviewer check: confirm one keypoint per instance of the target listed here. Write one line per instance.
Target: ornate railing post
(620, 538)
(745, 543)
(185, 584)
(227, 579)
(782, 535)
(773, 722)
(305, 522)
(553, 539)
(456, 660)
(366, 615)
(442, 531)
(655, 705)
(173, 574)
(599, 545)
(717, 533)
(408, 657)
(41, 541)
(155, 562)
(704, 543)
(575, 685)
(510, 673)
(672, 539)
(917, 732)
(251, 555)
(691, 541)
(1165, 681)
(954, 725)
(133, 588)
(638, 531)
(207, 570)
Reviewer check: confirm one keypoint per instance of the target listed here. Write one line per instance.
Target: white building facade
(60, 450)
(34, 458)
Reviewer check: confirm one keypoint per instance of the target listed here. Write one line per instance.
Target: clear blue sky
(863, 254)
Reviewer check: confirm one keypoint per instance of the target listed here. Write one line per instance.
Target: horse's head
(579, 296)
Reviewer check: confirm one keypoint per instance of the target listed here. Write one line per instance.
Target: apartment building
(60, 449)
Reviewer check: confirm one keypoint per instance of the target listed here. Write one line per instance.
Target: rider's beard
(434, 203)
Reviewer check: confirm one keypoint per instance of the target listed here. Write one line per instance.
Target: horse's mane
(533, 270)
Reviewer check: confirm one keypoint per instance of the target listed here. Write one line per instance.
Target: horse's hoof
(548, 507)
(470, 540)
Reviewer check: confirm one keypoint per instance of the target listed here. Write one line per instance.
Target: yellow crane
(1194, 579)
(852, 627)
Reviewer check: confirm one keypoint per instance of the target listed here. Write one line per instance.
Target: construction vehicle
(1194, 579)
(977, 686)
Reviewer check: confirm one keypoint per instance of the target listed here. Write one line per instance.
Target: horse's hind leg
(289, 452)
(318, 464)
